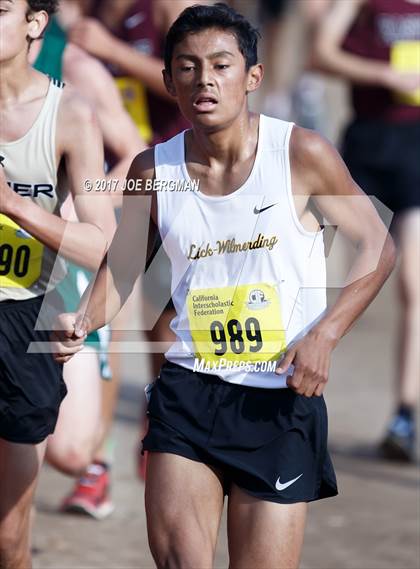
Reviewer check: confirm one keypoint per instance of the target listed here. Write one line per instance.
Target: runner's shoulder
(75, 111)
(307, 146)
(313, 159)
(143, 168)
(76, 122)
(143, 165)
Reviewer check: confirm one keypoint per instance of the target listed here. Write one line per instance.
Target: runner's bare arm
(78, 140)
(330, 56)
(94, 82)
(318, 171)
(126, 257)
(120, 268)
(92, 36)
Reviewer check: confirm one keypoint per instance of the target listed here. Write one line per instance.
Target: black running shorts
(31, 384)
(383, 159)
(272, 443)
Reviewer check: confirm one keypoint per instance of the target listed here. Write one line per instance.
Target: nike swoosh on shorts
(280, 486)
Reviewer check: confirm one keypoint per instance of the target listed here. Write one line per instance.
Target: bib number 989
(236, 336)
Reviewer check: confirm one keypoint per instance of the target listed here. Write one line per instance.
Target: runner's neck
(226, 146)
(19, 82)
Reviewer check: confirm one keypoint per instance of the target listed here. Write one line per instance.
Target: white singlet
(27, 267)
(247, 278)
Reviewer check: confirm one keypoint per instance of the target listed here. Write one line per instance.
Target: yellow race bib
(134, 98)
(405, 56)
(20, 256)
(237, 323)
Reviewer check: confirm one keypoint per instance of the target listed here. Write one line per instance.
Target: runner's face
(14, 28)
(209, 78)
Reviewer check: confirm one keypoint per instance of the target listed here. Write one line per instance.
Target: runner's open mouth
(205, 102)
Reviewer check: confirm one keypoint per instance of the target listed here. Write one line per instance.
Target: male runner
(375, 45)
(248, 284)
(42, 126)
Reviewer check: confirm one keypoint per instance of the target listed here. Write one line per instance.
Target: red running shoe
(90, 494)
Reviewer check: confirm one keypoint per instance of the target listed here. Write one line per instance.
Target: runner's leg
(19, 468)
(264, 534)
(184, 503)
(399, 442)
(70, 449)
(408, 234)
(110, 389)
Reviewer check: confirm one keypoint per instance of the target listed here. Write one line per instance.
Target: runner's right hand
(70, 331)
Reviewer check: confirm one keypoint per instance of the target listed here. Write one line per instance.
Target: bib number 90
(14, 260)
(21, 256)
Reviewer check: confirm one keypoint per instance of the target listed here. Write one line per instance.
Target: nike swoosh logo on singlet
(257, 211)
(280, 486)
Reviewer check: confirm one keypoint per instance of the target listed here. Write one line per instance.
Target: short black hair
(50, 6)
(220, 16)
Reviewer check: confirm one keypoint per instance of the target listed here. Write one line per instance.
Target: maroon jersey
(388, 31)
(157, 118)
